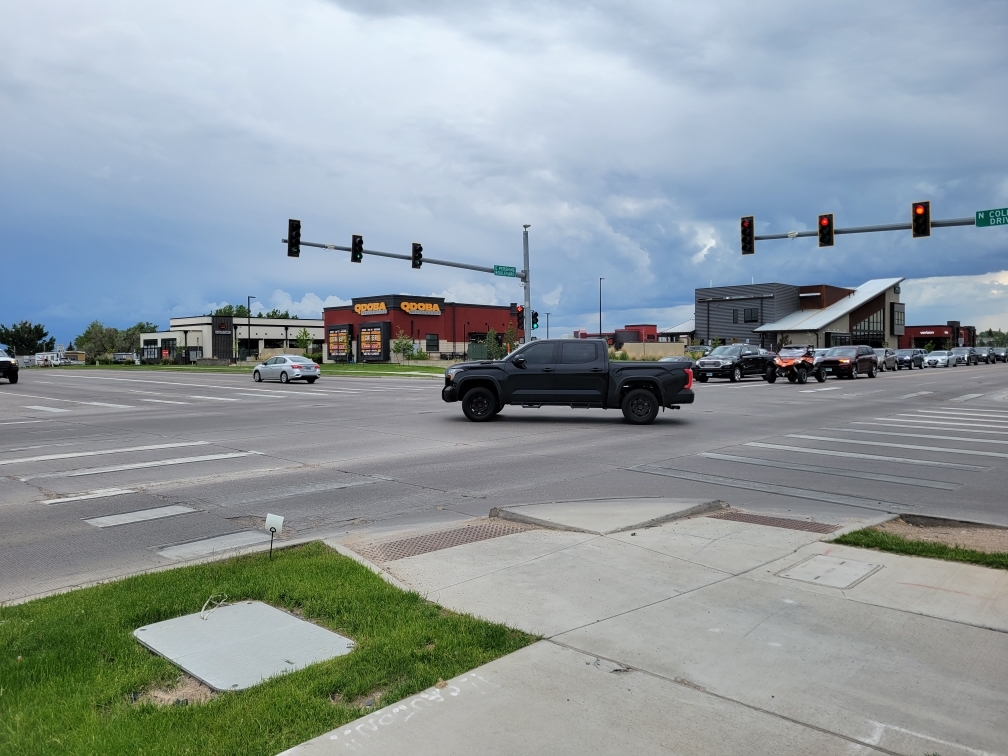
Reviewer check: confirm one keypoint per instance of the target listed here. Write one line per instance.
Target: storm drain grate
(775, 522)
(390, 551)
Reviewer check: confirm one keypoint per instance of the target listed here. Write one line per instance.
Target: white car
(286, 368)
(940, 358)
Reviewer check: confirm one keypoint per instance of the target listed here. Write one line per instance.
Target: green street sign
(997, 217)
(504, 270)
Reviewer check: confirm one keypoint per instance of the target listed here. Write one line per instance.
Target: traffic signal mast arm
(868, 229)
(396, 256)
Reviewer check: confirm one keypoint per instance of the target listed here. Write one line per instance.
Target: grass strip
(364, 369)
(870, 538)
(70, 669)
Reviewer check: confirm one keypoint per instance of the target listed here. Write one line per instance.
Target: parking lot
(108, 472)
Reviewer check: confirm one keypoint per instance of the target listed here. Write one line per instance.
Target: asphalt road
(105, 473)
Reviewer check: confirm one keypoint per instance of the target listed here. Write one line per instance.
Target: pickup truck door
(750, 360)
(532, 383)
(581, 374)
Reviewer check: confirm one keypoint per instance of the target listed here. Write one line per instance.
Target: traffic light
(535, 320)
(521, 316)
(293, 238)
(826, 230)
(920, 219)
(748, 225)
(356, 248)
(417, 254)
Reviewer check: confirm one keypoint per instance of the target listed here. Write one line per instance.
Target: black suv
(8, 366)
(734, 361)
(910, 358)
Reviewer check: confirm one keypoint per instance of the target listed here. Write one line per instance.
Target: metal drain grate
(444, 539)
(775, 522)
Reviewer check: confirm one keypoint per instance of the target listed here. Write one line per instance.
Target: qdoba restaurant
(364, 330)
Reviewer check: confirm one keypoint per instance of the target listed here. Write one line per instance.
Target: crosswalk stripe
(929, 426)
(45, 409)
(100, 452)
(100, 493)
(137, 466)
(871, 457)
(915, 447)
(142, 515)
(921, 435)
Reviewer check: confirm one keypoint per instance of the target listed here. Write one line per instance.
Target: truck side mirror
(519, 362)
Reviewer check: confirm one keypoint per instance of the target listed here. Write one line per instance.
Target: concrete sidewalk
(707, 636)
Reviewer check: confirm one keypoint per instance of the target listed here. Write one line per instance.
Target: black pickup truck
(569, 372)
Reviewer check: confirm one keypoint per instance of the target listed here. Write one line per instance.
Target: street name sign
(504, 270)
(997, 217)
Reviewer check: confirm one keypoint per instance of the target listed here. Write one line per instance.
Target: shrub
(421, 355)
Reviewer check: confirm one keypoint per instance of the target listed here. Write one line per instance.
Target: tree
(129, 339)
(303, 341)
(97, 340)
(402, 345)
(225, 311)
(276, 313)
(27, 338)
(495, 351)
(510, 337)
(241, 311)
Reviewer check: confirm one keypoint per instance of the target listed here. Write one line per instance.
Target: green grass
(413, 370)
(869, 538)
(74, 690)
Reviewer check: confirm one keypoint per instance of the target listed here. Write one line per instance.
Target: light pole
(528, 285)
(248, 314)
(600, 306)
(547, 325)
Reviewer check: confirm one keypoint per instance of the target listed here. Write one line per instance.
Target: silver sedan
(286, 368)
(940, 358)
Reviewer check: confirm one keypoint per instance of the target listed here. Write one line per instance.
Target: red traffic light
(745, 223)
(824, 221)
(919, 209)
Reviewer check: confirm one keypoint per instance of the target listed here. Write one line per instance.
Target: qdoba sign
(421, 308)
(370, 308)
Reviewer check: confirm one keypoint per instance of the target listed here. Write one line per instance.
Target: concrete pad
(833, 572)
(235, 647)
(546, 699)
(732, 547)
(553, 590)
(965, 593)
(602, 516)
(904, 682)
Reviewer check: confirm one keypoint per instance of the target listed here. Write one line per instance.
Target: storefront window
(870, 331)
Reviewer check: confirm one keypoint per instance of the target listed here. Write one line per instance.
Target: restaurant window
(751, 315)
(433, 343)
(870, 331)
(734, 316)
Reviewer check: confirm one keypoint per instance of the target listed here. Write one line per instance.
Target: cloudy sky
(151, 153)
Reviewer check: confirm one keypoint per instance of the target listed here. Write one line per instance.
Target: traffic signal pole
(527, 286)
(869, 229)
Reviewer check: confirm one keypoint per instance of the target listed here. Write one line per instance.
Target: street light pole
(248, 315)
(527, 283)
(600, 306)
(547, 325)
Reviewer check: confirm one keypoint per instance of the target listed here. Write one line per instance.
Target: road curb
(704, 508)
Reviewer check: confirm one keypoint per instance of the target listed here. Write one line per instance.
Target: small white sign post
(274, 524)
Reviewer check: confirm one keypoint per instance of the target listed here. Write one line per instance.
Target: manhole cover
(238, 646)
(831, 571)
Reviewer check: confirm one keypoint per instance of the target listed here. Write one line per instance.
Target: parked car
(733, 361)
(910, 358)
(8, 366)
(985, 354)
(796, 363)
(850, 361)
(964, 355)
(886, 358)
(1001, 354)
(940, 358)
(286, 368)
(575, 373)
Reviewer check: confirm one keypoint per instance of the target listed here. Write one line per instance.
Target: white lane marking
(98, 493)
(820, 470)
(872, 457)
(215, 398)
(99, 452)
(797, 493)
(45, 409)
(107, 404)
(920, 435)
(859, 442)
(138, 465)
(922, 736)
(162, 401)
(813, 391)
(40, 446)
(916, 393)
(965, 412)
(263, 396)
(212, 545)
(22, 422)
(930, 426)
(142, 515)
(965, 397)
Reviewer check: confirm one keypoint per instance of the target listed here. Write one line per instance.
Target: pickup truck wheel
(702, 378)
(771, 375)
(802, 376)
(12, 377)
(736, 374)
(479, 404)
(640, 406)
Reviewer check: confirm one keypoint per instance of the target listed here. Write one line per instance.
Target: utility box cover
(241, 645)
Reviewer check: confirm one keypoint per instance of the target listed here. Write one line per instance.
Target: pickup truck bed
(569, 372)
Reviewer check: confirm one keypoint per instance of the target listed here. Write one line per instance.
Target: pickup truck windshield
(3, 354)
(726, 351)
